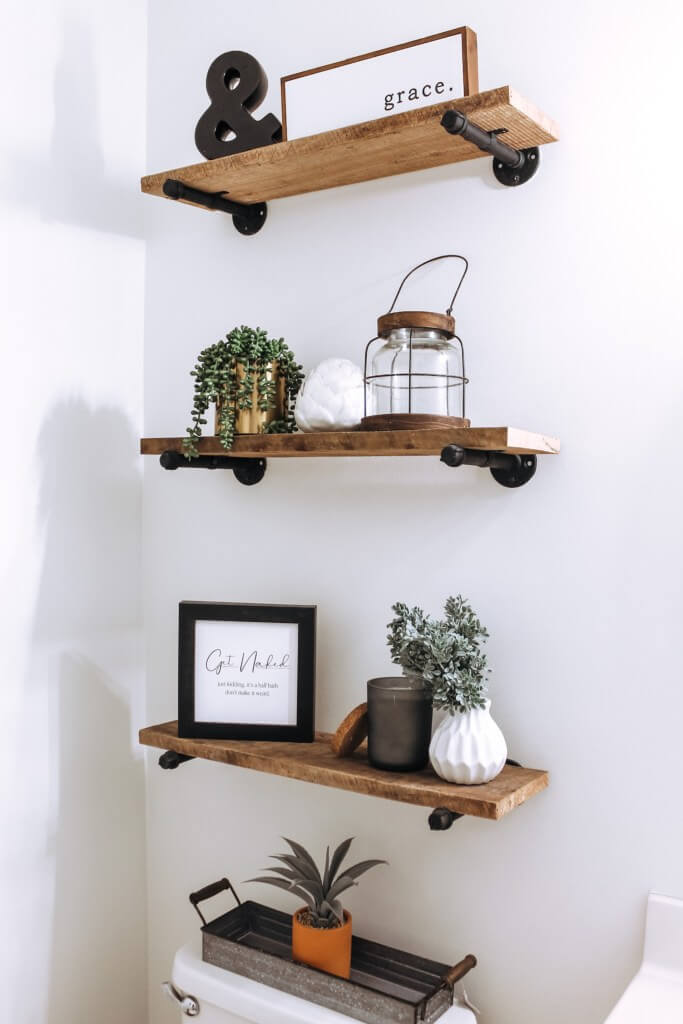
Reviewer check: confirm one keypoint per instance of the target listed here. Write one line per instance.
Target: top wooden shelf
(405, 142)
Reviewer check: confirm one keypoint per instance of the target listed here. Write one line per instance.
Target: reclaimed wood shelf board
(315, 762)
(365, 443)
(411, 141)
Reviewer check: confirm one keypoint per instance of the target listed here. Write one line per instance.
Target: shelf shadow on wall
(73, 183)
(87, 621)
(98, 925)
(90, 507)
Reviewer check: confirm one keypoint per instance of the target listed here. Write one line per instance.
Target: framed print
(246, 671)
(419, 73)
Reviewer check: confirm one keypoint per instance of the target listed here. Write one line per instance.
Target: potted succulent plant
(321, 929)
(253, 381)
(467, 747)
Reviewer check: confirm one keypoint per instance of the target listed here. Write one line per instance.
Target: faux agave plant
(320, 891)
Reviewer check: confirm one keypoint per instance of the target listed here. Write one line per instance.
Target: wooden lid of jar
(412, 318)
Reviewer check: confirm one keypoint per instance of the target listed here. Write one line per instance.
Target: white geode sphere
(331, 397)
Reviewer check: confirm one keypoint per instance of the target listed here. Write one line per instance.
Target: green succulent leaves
(216, 379)
(448, 653)
(319, 891)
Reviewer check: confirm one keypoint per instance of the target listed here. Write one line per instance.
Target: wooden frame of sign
(246, 671)
(424, 90)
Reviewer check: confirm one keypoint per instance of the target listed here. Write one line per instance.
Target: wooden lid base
(421, 320)
(410, 421)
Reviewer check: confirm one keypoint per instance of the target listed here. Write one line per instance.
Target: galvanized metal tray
(387, 986)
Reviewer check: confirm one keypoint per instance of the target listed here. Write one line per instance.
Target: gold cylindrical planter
(255, 420)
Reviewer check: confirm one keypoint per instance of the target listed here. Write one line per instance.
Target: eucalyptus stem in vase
(467, 747)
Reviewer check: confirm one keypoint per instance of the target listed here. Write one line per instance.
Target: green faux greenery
(320, 891)
(216, 380)
(447, 653)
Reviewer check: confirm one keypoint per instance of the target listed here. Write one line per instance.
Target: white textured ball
(331, 397)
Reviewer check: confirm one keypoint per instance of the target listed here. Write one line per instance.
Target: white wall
(72, 77)
(571, 318)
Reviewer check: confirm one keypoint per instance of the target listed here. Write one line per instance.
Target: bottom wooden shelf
(315, 762)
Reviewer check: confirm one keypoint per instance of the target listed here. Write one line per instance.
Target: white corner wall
(72, 77)
(572, 322)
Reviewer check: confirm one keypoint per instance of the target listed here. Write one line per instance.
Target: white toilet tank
(222, 997)
(656, 993)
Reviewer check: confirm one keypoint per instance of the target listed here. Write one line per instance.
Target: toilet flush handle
(188, 1004)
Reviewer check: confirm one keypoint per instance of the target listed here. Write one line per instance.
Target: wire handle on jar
(434, 259)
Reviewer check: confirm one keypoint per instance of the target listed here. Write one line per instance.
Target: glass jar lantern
(414, 369)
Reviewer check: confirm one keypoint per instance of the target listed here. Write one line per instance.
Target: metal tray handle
(212, 890)
(459, 970)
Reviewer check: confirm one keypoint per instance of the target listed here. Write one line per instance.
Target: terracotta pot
(328, 949)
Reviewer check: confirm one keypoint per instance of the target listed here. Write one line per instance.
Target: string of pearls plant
(245, 366)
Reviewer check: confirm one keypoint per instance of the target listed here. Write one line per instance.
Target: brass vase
(255, 420)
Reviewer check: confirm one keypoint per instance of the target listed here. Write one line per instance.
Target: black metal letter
(236, 84)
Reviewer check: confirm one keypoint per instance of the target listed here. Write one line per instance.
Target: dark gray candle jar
(399, 723)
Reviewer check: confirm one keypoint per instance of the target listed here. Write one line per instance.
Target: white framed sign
(246, 671)
(399, 78)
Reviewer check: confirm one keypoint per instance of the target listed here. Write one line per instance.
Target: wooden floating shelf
(365, 443)
(315, 762)
(410, 141)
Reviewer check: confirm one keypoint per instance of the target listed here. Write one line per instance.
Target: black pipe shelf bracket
(247, 471)
(506, 468)
(441, 819)
(510, 166)
(171, 759)
(247, 218)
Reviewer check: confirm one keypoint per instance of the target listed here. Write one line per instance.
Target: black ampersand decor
(236, 84)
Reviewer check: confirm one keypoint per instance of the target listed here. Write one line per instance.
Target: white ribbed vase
(468, 747)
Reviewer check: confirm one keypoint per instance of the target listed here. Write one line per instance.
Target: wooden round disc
(433, 321)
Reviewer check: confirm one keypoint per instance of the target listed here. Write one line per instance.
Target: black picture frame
(303, 616)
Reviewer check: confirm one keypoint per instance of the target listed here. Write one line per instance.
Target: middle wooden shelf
(326, 444)
(315, 762)
(509, 453)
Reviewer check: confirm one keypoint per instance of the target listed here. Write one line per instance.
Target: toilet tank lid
(243, 997)
(261, 1004)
